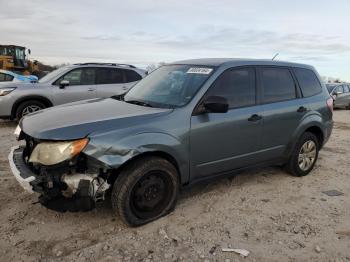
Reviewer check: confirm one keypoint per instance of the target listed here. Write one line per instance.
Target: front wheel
(304, 155)
(146, 190)
(28, 107)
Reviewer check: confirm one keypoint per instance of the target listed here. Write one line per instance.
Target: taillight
(330, 104)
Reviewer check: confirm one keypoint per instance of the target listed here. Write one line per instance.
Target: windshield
(20, 55)
(8, 51)
(50, 77)
(169, 86)
(2, 50)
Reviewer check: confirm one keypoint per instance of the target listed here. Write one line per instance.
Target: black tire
(146, 190)
(293, 164)
(25, 105)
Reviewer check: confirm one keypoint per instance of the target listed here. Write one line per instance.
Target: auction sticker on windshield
(199, 70)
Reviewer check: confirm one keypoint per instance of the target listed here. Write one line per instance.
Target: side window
(2, 77)
(278, 85)
(346, 89)
(340, 89)
(308, 82)
(110, 76)
(5, 77)
(8, 77)
(80, 76)
(237, 86)
(132, 76)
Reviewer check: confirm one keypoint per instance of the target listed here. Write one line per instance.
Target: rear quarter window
(132, 76)
(308, 82)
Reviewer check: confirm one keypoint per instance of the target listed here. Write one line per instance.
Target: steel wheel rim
(151, 194)
(307, 155)
(30, 109)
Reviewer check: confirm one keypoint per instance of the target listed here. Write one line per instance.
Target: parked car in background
(67, 84)
(185, 122)
(340, 94)
(8, 76)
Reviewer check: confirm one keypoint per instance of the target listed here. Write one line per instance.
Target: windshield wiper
(118, 97)
(137, 102)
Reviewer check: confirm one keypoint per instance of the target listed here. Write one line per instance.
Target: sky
(148, 32)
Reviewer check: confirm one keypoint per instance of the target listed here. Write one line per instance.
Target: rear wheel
(146, 190)
(304, 155)
(28, 107)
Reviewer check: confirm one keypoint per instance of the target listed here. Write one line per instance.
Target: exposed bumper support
(22, 174)
(59, 191)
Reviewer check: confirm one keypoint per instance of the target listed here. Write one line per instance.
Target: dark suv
(185, 122)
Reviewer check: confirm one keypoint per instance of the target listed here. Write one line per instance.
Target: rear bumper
(328, 131)
(20, 171)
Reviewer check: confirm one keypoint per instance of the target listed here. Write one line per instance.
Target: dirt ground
(275, 216)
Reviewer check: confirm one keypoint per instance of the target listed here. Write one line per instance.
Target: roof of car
(112, 65)
(238, 61)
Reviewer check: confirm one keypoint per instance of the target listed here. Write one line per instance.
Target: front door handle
(254, 118)
(302, 109)
(91, 89)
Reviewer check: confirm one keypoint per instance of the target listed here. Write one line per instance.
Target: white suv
(67, 84)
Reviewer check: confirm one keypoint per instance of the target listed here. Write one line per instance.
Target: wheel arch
(312, 124)
(317, 131)
(21, 100)
(116, 150)
(161, 154)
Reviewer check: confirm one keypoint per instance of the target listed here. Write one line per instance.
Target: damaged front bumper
(21, 172)
(61, 189)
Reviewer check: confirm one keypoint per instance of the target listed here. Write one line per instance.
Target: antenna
(273, 58)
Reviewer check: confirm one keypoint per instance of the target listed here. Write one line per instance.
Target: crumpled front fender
(114, 152)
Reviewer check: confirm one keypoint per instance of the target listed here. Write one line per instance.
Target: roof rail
(110, 64)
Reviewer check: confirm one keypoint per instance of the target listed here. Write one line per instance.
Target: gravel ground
(275, 216)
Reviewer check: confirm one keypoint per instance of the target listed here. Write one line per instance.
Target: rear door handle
(91, 89)
(254, 118)
(302, 109)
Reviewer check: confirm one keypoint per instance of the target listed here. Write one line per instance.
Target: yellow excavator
(14, 58)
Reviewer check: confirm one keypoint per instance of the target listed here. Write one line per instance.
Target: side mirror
(216, 104)
(29, 51)
(338, 93)
(64, 83)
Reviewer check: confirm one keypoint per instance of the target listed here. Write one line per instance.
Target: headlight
(51, 153)
(5, 91)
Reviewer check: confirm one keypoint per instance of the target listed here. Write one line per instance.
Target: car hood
(79, 119)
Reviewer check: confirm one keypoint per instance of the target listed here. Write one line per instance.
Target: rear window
(132, 76)
(308, 82)
(278, 85)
